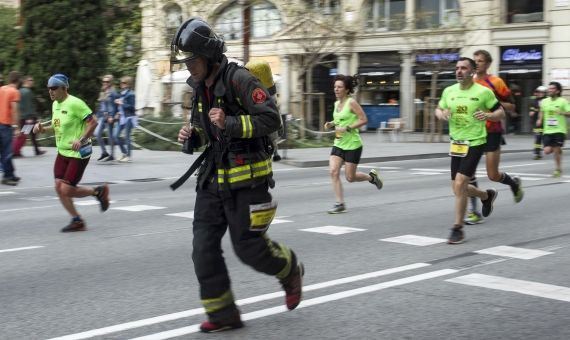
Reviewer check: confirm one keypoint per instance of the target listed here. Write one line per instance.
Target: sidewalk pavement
(148, 165)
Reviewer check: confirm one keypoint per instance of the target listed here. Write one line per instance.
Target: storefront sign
(521, 54)
(437, 57)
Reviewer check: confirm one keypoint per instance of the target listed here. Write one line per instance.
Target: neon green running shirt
(463, 104)
(68, 122)
(552, 120)
(349, 140)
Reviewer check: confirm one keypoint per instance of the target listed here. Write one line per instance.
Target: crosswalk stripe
(513, 252)
(332, 230)
(512, 285)
(414, 240)
(138, 208)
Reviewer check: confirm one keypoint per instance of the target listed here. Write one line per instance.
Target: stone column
(343, 64)
(410, 14)
(407, 89)
(285, 86)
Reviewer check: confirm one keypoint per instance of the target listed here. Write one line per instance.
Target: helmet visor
(177, 56)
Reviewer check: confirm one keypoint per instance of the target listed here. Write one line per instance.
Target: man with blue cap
(73, 124)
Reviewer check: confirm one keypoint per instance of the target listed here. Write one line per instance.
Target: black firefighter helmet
(196, 38)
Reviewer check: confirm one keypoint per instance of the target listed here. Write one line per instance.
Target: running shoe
(556, 173)
(488, 203)
(375, 179)
(103, 157)
(74, 226)
(457, 236)
(9, 181)
(337, 208)
(293, 287)
(518, 194)
(102, 195)
(474, 218)
(232, 322)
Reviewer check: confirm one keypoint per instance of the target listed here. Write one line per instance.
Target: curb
(319, 163)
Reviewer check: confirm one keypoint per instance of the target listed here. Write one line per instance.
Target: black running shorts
(349, 156)
(467, 165)
(494, 141)
(553, 139)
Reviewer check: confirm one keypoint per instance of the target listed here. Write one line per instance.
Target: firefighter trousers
(213, 215)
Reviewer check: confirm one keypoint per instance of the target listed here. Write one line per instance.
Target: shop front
(379, 79)
(521, 69)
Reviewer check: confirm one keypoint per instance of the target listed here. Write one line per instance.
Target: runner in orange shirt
(495, 137)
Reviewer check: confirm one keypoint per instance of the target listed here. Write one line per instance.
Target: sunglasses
(53, 88)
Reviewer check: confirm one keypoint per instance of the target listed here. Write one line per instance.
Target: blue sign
(521, 54)
(437, 57)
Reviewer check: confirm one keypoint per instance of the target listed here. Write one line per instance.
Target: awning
(379, 70)
(520, 68)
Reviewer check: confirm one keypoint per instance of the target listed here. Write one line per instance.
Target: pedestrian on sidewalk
(467, 105)
(28, 118)
(495, 134)
(552, 117)
(126, 118)
(233, 114)
(9, 118)
(106, 118)
(73, 124)
(348, 117)
(534, 109)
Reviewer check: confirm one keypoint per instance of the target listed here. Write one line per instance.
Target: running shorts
(69, 169)
(467, 165)
(553, 139)
(349, 156)
(494, 141)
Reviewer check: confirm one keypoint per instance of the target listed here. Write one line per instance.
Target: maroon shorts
(68, 169)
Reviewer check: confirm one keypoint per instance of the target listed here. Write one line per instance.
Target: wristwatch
(348, 129)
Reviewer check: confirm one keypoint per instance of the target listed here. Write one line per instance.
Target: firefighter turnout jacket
(239, 156)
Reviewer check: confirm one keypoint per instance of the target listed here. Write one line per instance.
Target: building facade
(403, 51)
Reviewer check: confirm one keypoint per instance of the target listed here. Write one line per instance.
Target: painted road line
(18, 249)
(139, 208)
(426, 173)
(543, 290)
(332, 230)
(29, 208)
(242, 302)
(415, 240)
(514, 252)
(91, 202)
(307, 303)
(185, 214)
(7, 193)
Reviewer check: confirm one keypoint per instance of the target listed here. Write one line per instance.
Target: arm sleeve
(503, 90)
(491, 102)
(82, 110)
(260, 117)
(129, 102)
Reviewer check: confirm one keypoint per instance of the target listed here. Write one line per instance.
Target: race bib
(553, 122)
(261, 215)
(458, 148)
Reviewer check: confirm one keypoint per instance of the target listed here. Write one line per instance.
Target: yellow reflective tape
(215, 304)
(243, 127)
(280, 252)
(249, 125)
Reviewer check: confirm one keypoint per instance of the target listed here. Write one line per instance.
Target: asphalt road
(380, 271)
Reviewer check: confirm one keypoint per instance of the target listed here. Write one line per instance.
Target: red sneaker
(293, 286)
(233, 322)
(74, 226)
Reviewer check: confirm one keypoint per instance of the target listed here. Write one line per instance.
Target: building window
(172, 20)
(385, 14)
(437, 13)
(524, 11)
(265, 21)
(326, 7)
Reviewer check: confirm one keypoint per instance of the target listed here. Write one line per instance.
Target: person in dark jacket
(125, 118)
(105, 118)
(233, 114)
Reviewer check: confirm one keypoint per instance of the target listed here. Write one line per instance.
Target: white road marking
(139, 208)
(185, 214)
(430, 170)
(524, 178)
(279, 220)
(332, 230)
(7, 192)
(40, 198)
(518, 286)
(18, 249)
(426, 173)
(29, 208)
(242, 302)
(514, 252)
(307, 303)
(415, 240)
(91, 202)
(519, 165)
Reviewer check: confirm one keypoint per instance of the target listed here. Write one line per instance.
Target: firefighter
(232, 116)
